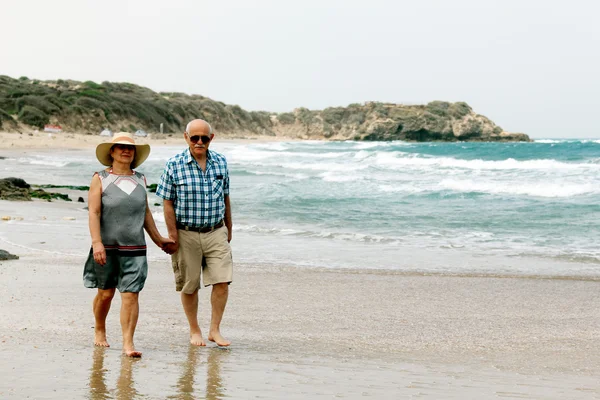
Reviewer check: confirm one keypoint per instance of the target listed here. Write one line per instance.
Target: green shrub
(356, 118)
(23, 78)
(286, 118)
(8, 105)
(305, 116)
(379, 108)
(4, 116)
(41, 103)
(333, 115)
(32, 116)
(89, 103)
(92, 85)
(438, 108)
(459, 109)
(92, 93)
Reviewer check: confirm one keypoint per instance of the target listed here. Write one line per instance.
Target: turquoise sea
(449, 208)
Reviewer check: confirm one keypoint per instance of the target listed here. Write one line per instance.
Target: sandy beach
(297, 333)
(35, 139)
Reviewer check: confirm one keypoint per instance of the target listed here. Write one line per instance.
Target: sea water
(493, 208)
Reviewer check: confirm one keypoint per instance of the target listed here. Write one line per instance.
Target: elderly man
(195, 191)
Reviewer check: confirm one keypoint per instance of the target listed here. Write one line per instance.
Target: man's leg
(130, 309)
(190, 306)
(218, 299)
(101, 307)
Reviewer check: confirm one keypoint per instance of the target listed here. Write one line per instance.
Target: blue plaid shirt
(198, 197)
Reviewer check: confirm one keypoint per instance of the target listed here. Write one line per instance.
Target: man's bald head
(198, 126)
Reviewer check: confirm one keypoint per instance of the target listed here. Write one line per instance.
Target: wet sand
(297, 333)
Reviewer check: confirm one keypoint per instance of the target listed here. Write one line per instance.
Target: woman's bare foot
(218, 339)
(131, 352)
(197, 340)
(100, 338)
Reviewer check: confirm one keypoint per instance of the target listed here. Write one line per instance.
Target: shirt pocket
(217, 188)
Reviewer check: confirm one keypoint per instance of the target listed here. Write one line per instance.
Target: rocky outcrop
(436, 121)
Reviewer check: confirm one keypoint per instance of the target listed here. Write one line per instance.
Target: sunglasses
(124, 147)
(203, 138)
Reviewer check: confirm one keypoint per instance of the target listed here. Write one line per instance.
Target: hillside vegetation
(90, 107)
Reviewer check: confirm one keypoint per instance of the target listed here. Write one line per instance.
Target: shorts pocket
(178, 275)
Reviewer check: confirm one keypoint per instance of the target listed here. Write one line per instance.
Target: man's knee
(220, 288)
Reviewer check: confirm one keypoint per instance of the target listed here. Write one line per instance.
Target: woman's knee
(129, 297)
(105, 295)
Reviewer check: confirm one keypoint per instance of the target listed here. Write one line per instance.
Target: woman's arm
(94, 214)
(155, 235)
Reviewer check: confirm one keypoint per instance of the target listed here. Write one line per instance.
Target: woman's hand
(99, 253)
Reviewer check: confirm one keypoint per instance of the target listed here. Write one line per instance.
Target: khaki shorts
(187, 261)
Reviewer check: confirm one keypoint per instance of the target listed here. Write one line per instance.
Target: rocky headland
(89, 107)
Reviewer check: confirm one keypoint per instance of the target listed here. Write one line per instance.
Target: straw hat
(142, 151)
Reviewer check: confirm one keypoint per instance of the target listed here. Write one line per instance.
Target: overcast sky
(531, 66)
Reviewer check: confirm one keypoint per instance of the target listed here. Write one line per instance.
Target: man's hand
(171, 247)
(167, 245)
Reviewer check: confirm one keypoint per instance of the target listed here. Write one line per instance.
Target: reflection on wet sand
(214, 382)
(98, 389)
(125, 385)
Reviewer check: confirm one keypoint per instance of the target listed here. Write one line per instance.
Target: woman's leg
(101, 307)
(129, 316)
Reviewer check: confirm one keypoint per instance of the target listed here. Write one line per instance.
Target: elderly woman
(118, 215)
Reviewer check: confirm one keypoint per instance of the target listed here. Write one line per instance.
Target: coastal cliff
(90, 107)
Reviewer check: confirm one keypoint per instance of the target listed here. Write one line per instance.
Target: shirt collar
(188, 156)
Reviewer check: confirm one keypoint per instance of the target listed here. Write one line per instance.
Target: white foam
(403, 160)
(286, 175)
(43, 161)
(537, 189)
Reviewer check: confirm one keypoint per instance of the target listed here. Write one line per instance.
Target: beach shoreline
(41, 141)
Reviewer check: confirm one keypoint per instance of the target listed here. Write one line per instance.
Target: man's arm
(228, 221)
(171, 222)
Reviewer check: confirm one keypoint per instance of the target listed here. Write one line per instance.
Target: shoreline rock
(5, 255)
(16, 189)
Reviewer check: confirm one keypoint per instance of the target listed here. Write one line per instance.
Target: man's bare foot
(218, 339)
(197, 340)
(131, 352)
(100, 339)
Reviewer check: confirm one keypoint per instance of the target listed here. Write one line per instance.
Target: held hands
(168, 245)
(99, 253)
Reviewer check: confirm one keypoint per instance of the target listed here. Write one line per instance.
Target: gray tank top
(124, 202)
